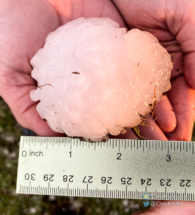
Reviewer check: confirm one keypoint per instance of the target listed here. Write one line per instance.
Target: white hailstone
(95, 79)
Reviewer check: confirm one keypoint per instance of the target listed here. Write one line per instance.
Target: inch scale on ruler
(114, 169)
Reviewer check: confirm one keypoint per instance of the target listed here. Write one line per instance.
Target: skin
(173, 23)
(24, 25)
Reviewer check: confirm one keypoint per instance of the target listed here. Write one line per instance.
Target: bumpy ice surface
(94, 78)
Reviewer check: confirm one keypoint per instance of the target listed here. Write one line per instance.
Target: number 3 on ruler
(168, 158)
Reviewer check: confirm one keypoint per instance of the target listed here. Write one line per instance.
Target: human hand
(24, 27)
(173, 23)
(23, 32)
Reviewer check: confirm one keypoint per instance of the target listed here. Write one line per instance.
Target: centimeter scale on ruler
(118, 168)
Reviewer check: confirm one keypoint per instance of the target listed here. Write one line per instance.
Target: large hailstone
(95, 79)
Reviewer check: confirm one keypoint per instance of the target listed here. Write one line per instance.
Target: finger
(145, 15)
(182, 98)
(177, 58)
(189, 68)
(151, 132)
(176, 55)
(70, 10)
(130, 134)
(164, 115)
(177, 208)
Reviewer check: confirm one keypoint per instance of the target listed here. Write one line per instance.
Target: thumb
(169, 208)
(24, 109)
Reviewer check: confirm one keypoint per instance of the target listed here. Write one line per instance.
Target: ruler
(118, 168)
